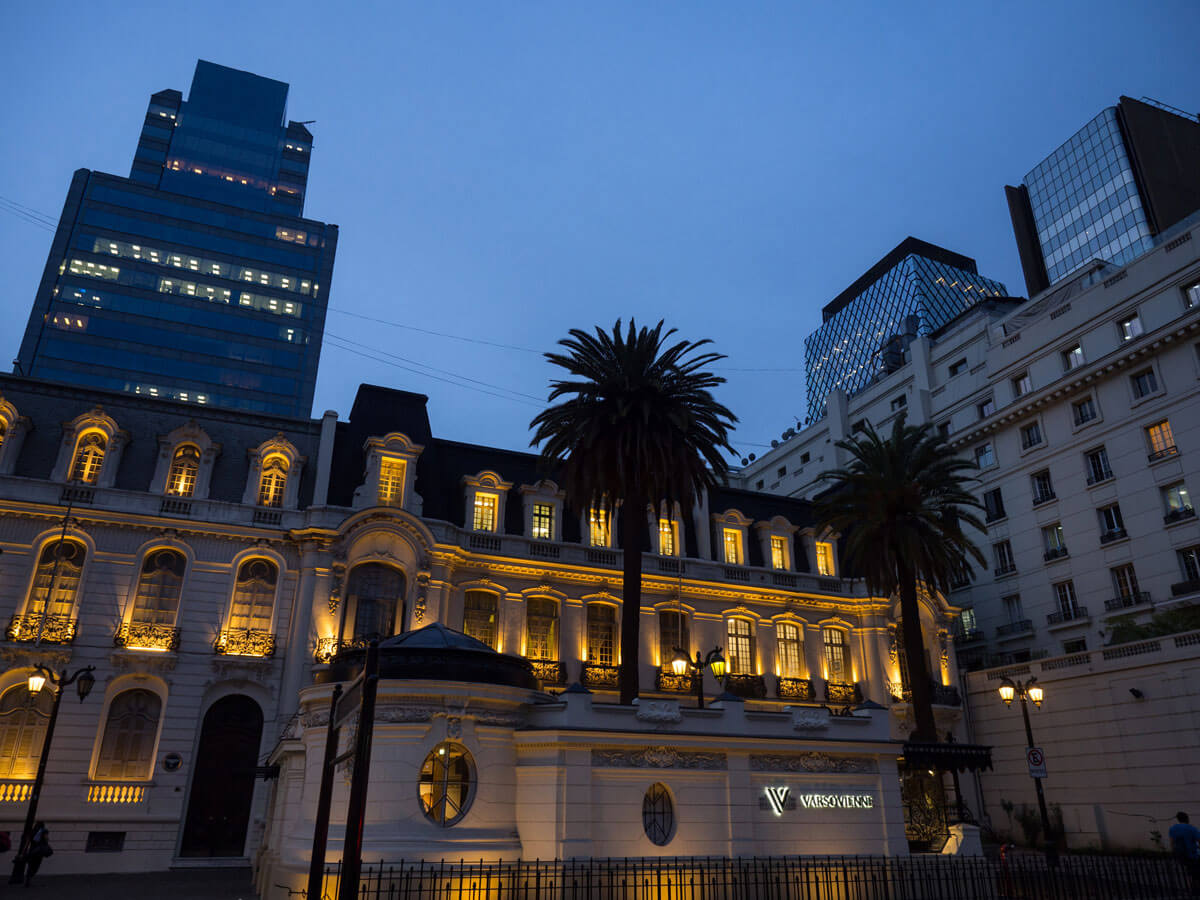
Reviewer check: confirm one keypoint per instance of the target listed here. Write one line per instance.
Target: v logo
(778, 798)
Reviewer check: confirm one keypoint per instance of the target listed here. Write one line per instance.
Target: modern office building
(1126, 176)
(195, 278)
(914, 290)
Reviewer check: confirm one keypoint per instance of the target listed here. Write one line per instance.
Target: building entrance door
(223, 783)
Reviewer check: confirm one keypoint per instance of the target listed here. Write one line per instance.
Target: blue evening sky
(505, 171)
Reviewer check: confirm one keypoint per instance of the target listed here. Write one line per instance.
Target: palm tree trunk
(633, 535)
(914, 650)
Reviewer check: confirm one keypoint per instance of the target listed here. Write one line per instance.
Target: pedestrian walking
(37, 850)
(1185, 844)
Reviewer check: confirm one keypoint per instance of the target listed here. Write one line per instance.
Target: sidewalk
(178, 884)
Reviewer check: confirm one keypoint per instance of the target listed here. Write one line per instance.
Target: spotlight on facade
(37, 681)
(1007, 692)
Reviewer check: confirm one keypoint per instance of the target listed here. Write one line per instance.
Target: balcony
(1001, 571)
(549, 671)
(268, 517)
(1118, 603)
(599, 675)
(245, 642)
(1117, 534)
(783, 579)
(968, 636)
(1021, 626)
(842, 692)
(1099, 478)
(601, 557)
(669, 564)
(736, 573)
(147, 636)
(751, 687)
(667, 681)
(942, 694)
(1190, 586)
(486, 542)
(175, 506)
(55, 630)
(77, 494)
(1178, 515)
(1039, 499)
(1164, 453)
(1075, 614)
(326, 648)
(1055, 553)
(115, 792)
(13, 790)
(797, 689)
(544, 550)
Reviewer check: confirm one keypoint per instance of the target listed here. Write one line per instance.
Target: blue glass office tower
(195, 278)
(1127, 175)
(914, 290)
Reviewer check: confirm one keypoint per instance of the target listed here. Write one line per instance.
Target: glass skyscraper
(1122, 179)
(914, 290)
(196, 278)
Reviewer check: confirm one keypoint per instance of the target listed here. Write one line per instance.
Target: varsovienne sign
(780, 798)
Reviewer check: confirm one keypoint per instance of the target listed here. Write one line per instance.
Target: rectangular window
(1084, 410)
(541, 628)
(899, 403)
(1097, 466)
(1012, 608)
(1002, 552)
(1072, 358)
(1130, 327)
(958, 366)
(1125, 583)
(1189, 563)
(1144, 383)
(1021, 385)
(986, 407)
(791, 650)
(779, 554)
(984, 456)
(543, 521)
(1112, 525)
(666, 537)
(1077, 645)
(1161, 440)
(1031, 435)
(835, 655)
(601, 633)
(733, 545)
(1043, 488)
(781, 471)
(391, 482)
(739, 647)
(1053, 541)
(1064, 593)
(1177, 502)
(825, 564)
(480, 612)
(485, 511)
(1191, 296)
(804, 457)
(993, 504)
(672, 636)
(598, 531)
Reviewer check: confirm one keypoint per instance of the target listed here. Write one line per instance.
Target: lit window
(739, 647)
(23, 719)
(273, 481)
(89, 457)
(181, 479)
(57, 579)
(835, 654)
(779, 559)
(127, 750)
(601, 633)
(541, 628)
(1176, 499)
(543, 521)
(1053, 540)
(254, 595)
(480, 614)
(1130, 327)
(391, 482)
(666, 537)
(1072, 358)
(733, 546)
(791, 650)
(825, 564)
(486, 506)
(1162, 441)
(445, 787)
(598, 529)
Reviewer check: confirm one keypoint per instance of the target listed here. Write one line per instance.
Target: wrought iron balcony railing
(667, 681)
(842, 692)
(797, 689)
(1039, 499)
(146, 636)
(1178, 515)
(549, 671)
(1054, 553)
(1191, 586)
(326, 648)
(1097, 477)
(1115, 534)
(1004, 570)
(968, 636)
(245, 642)
(1164, 453)
(1019, 627)
(55, 629)
(600, 675)
(752, 687)
(1076, 614)
(1126, 602)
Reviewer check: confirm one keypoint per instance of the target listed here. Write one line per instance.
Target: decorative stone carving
(404, 714)
(453, 728)
(659, 711)
(658, 758)
(893, 645)
(812, 762)
(810, 719)
(135, 661)
(244, 668)
(943, 644)
(499, 719)
(51, 658)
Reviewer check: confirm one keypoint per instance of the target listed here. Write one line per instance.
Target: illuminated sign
(779, 798)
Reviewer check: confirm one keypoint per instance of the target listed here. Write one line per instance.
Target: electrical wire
(445, 334)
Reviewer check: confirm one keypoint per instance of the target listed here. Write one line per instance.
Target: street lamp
(714, 661)
(1031, 690)
(84, 681)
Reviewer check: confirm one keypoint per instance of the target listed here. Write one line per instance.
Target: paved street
(181, 884)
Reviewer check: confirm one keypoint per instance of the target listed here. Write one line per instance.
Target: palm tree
(638, 424)
(901, 503)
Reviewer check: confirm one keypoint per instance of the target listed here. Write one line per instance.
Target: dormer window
(389, 473)
(732, 542)
(486, 506)
(391, 482)
(273, 481)
(779, 554)
(543, 521)
(825, 559)
(541, 509)
(181, 479)
(668, 537)
(599, 531)
(88, 457)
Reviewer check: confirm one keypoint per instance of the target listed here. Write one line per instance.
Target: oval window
(658, 815)
(445, 787)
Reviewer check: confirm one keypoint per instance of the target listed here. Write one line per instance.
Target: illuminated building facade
(196, 278)
(216, 563)
(914, 290)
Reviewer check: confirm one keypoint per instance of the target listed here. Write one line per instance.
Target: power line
(26, 217)
(445, 334)
(29, 209)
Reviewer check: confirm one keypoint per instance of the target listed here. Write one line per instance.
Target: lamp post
(84, 681)
(1031, 690)
(714, 660)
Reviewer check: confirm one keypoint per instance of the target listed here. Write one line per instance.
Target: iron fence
(775, 878)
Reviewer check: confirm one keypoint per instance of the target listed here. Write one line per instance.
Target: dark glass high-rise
(196, 278)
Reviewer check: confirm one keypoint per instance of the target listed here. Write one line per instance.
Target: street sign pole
(316, 866)
(356, 811)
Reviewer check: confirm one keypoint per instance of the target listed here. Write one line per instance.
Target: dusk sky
(502, 172)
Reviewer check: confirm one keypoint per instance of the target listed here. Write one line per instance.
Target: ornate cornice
(812, 762)
(658, 758)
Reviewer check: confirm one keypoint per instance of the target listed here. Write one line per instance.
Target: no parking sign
(1037, 762)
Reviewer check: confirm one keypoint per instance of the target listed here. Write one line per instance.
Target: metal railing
(1075, 614)
(1019, 627)
(1055, 553)
(28, 627)
(1126, 602)
(1179, 514)
(923, 877)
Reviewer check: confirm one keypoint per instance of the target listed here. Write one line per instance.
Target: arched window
(254, 595)
(159, 586)
(89, 457)
(672, 635)
(658, 815)
(791, 650)
(541, 628)
(57, 578)
(375, 593)
(480, 614)
(601, 634)
(127, 749)
(445, 786)
(185, 465)
(835, 654)
(739, 647)
(3, 431)
(23, 718)
(273, 481)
